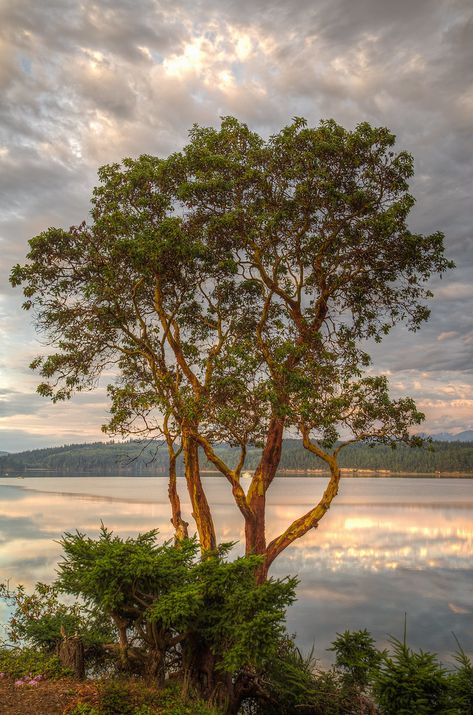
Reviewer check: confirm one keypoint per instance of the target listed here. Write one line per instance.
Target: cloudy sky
(85, 83)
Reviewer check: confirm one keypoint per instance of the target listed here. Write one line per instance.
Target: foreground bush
(18, 663)
(123, 697)
(209, 639)
(461, 683)
(410, 682)
(168, 612)
(42, 621)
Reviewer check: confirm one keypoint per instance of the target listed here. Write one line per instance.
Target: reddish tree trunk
(180, 526)
(255, 526)
(200, 506)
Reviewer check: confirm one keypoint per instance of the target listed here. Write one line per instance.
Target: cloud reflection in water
(386, 547)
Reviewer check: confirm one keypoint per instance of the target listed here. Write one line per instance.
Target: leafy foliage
(113, 573)
(172, 701)
(127, 697)
(172, 607)
(83, 709)
(231, 287)
(223, 608)
(20, 662)
(366, 680)
(461, 683)
(114, 699)
(41, 619)
(206, 621)
(293, 682)
(356, 657)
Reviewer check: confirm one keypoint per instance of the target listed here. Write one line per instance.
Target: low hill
(466, 436)
(134, 458)
(96, 457)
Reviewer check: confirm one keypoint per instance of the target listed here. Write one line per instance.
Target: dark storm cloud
(87, 83)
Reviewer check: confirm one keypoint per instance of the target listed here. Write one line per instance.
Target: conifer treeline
(135, 458)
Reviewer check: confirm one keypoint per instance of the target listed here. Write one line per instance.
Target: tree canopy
(232, 287)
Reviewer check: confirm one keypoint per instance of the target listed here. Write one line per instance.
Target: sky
(85, 83)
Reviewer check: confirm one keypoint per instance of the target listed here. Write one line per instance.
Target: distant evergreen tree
(134, 458)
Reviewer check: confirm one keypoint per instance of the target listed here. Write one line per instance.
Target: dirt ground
(56, 697)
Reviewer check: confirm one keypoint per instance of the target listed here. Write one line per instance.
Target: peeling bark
(255, 526)
(180, 526)
(311, 519)
(200, 506)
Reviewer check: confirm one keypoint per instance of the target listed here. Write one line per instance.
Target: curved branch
(180, 526)
(232, 475)
(310, 520)
(174, 341)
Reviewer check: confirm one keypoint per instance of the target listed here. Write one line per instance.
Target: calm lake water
(387, 547)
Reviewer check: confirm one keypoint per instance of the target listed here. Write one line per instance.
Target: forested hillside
(96, 457)
(135, 458)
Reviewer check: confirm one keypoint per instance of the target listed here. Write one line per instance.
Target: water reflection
(387, 546)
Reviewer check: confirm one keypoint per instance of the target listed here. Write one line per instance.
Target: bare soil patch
(53, 697)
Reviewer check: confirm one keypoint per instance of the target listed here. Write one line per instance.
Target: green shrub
(20, 662)
(84, 709)
(118, 697)
(410, 683)
(461, 683)
(172, 702)
(199, 611)
(114, 698)
(144, 710)
(356, 657)
(293, 683)
(41, 619)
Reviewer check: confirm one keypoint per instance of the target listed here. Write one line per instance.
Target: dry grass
(53, 697)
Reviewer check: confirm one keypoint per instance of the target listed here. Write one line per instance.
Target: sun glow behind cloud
(97, 82)
(218, 57)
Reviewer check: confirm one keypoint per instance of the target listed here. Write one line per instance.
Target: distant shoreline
(360, 473)
(440, 459)
(347, 473)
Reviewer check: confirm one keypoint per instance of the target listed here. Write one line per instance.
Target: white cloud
(455, 291)
(87, 83)
(446, 335)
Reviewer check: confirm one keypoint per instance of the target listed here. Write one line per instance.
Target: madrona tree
(232, 288)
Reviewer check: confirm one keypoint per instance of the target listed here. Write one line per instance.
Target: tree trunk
(155, 672)
(200, 506)
(213, 685)
(180, 526)
(255, 527)
(71, 655)
(121, 625)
